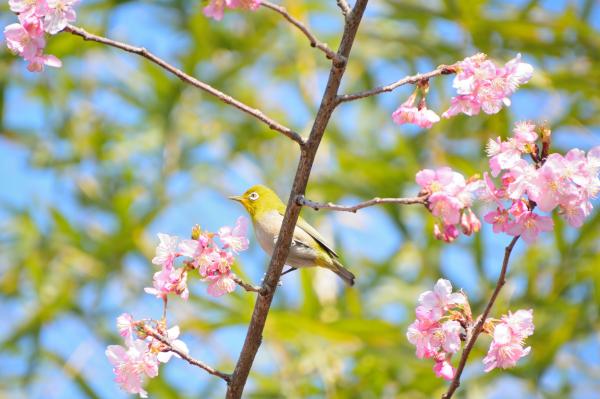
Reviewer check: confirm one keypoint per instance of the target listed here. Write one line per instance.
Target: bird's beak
(236, 198)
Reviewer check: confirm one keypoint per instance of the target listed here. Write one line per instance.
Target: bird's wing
(311, 231)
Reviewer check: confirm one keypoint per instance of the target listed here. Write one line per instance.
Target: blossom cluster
(443, 319)
(480, 84)
(450, 198)
(484, 86)
(437, 331)
(27, 38)
(547, 182)
(142, 353)
(508, 336)
(201, 253)
(216, 8)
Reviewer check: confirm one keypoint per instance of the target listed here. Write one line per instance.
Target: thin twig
(247, 286)
(154, 334)
(343, 5)
(301, 200)
(441, 70)
(478, 328)
(314, 42)
(284, 240)
(227, 99)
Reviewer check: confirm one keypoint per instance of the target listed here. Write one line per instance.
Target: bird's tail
(341, 271)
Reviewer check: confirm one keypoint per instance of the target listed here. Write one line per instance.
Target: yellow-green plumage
(308, 247)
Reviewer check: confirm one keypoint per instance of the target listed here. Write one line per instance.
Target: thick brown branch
(441, 70)
(281, 250)
(480, 321)
(247, 286)
(154, 334)
(227, 99)
(314, 42)
(301, 200)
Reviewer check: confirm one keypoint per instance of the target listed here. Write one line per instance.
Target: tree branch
(441, 70)
(154, 334)
(302, 201)
(282, 247)
(480, 321)
(142, 52)
(314, 42)
(344, 7)
(247, 286)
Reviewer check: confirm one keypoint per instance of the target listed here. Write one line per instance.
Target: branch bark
(441, 70)
(281, 250)
(301, 200)
(247, 286)
(227, 99)
(344, 7)
(314, 42)
(480, 321)
(154, 334)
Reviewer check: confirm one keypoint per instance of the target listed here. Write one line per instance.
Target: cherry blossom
(450, 199)
(58, 15)
(408, 113)
(125, 325)
(166, 251)
(508, 336)
(216, 8)
(132, 365)
(235, 238)
(483, 86)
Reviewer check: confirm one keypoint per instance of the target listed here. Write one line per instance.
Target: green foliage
(117, 134)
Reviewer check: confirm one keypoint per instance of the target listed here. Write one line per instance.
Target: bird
(308, 248)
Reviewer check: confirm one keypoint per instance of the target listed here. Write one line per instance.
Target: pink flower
(524, 135)
(125, 325)
(441, 298)
(481, 85)
(422, 334)
(168, 281)
(520, 323)
(25, 40)
(235, 238)
(524, 178)
(504, 355)
(444, 369)
(132, 365)
(28, 8)
(166, 251)
(446, 233)
(503, 155)
(467, 105)
(500, 219)
(529, 225)
(216, 7)
(58, 15)
(469, 222)
(446, 207)
(451, 331)
(408, 113)
(441, 179)
(507, 344)
(171, 336)
(245, 4)
(220, 284)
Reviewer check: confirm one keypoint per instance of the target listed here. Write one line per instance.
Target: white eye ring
(253, 196)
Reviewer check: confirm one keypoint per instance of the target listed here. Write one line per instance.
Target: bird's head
(258, 199)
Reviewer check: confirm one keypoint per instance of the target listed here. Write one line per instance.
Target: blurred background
(100, 155)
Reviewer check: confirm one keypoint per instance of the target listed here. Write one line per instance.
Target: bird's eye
(253, 196)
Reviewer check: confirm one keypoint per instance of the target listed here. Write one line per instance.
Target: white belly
(266, 231)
